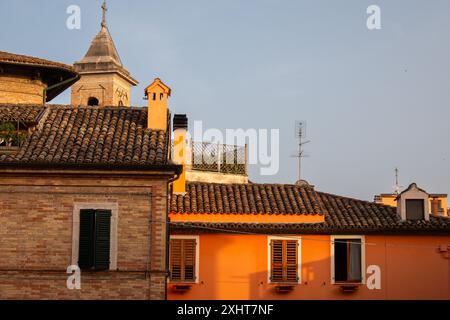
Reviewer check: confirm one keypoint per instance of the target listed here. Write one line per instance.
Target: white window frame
(197, 256)
(299, 257)
(114, 208)
(363, 256)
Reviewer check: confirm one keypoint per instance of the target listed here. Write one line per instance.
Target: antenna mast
(397, 185)
(301, 152)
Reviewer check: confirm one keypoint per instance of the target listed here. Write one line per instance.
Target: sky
(372, 100)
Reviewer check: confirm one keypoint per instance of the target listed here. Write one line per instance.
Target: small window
(92, 102)
(183, 259)
(284, 261)
(415, 209)
(94, 243)
(347, 260)
(154, 96)
(120, 103)
(161, 96)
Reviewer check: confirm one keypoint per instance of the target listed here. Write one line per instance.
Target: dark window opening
(347, 260)
(161, 96)
(94, 243)
(154, 96)
(284, 262)
(120, 103)
(182, 260)
(415, 209)
(92, 102)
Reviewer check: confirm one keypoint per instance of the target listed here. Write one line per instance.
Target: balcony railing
(214, 157)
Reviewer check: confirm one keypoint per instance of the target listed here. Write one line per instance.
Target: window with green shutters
(94, 245)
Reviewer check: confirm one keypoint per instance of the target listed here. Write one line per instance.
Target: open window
(93, 102)
(284, 261)
(347, 255)
(184, 259)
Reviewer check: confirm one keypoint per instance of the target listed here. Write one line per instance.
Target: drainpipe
(44, 94)
(169, 198)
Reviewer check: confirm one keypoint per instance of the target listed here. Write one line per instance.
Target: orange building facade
(255, 241)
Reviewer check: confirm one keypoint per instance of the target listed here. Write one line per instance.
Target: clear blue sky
(373, 100)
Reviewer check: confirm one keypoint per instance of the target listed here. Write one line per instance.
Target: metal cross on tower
(104, 9)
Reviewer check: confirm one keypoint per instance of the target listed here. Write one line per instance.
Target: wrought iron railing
(214, 157)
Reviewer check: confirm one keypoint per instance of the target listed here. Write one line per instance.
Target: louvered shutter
(102, 239)
(175, 259)
(183, 260)
(86, 240)
(189, 246)
(277, 261)
(291, 247)
(284, 266)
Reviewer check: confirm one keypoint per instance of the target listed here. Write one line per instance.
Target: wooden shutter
(277, 261)
(284, 262)
(102, 239)
(183, 260)
(291, 247)
(175, 259)
(86, 240)
(415, 209)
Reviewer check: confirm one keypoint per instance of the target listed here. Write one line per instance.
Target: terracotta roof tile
(71, 135)
(23, 113)
(7, 57)
(246, 198)
(342, 214)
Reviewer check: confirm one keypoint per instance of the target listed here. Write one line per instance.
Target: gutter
(169, 197)
(91, 166)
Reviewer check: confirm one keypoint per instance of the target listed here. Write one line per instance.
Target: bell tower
(104, 80)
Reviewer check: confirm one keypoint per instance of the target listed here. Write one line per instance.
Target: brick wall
(36, 236)
(16, 89)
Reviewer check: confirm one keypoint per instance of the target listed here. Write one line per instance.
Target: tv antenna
(301, 135)
(397, 186)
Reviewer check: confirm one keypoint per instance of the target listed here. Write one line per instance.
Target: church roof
(102, 50)
(102, 55)
(52, 73)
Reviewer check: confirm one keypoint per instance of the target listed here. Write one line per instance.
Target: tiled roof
(12, 58)
(57, 76)
(23, 113)
(342, 214)
(103, 136)
(246, 198)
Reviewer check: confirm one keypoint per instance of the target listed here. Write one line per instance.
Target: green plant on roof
(10, 136)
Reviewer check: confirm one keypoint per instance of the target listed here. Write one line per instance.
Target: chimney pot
(180, 121)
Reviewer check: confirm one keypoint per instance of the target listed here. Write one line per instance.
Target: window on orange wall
(284, 261)
(348, 260)
(183, 259)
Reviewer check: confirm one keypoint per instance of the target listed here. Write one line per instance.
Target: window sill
(181, 287)
(348, 287)
(284, 287)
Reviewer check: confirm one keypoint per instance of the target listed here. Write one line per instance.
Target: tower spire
(104, 9)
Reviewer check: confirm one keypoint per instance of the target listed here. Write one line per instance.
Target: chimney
(180, 126)
(157, 95)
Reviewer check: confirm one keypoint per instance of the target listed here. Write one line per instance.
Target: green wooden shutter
(102, 239)
(86, 242)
